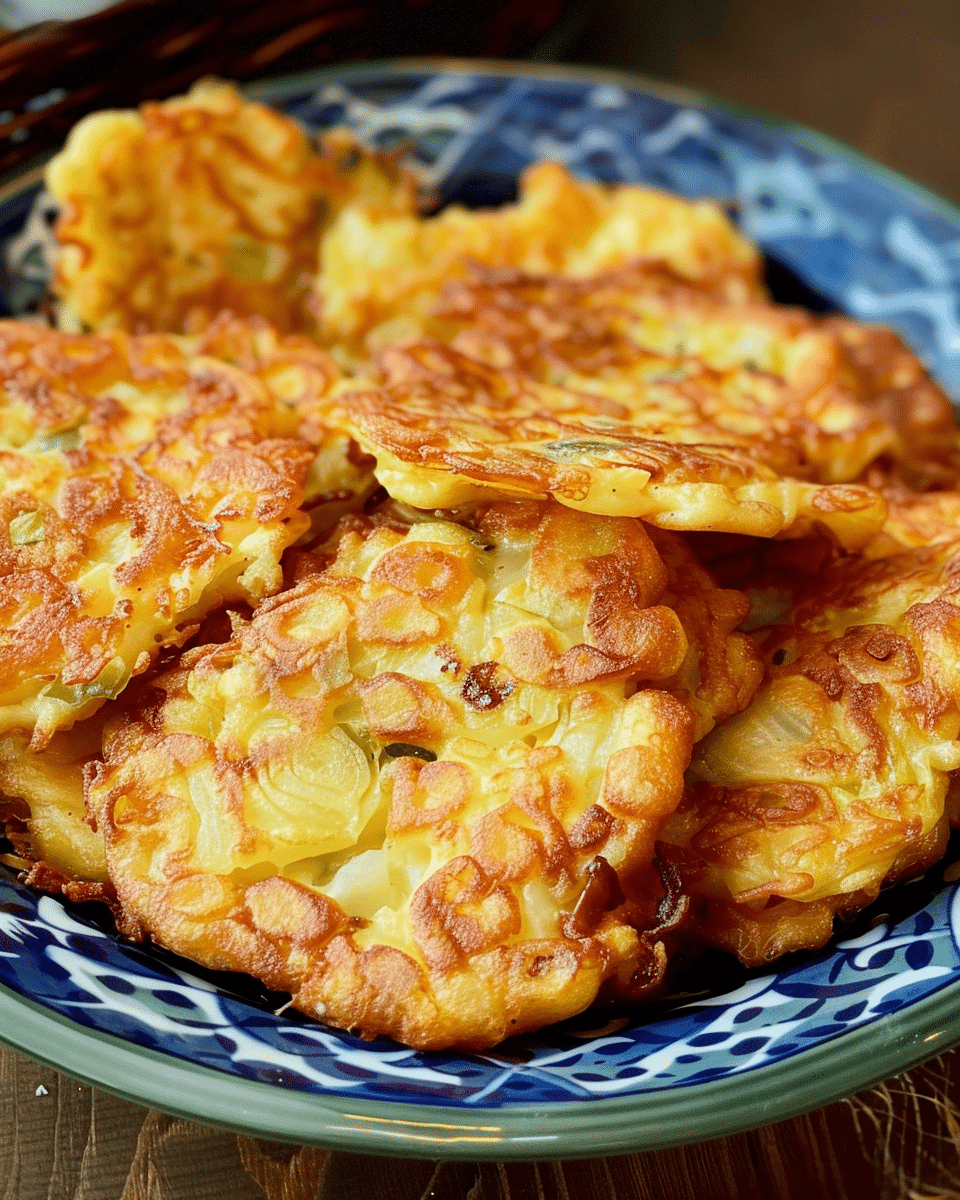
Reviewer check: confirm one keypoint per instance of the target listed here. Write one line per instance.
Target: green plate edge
(654, 1120)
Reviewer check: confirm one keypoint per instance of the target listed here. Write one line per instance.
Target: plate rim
(638, 1122)
(653, 1120)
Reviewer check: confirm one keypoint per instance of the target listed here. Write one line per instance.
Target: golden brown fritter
(834, 781)
(201, 203)
(382, 270)
(822, 399)
(417, 790)
(140, 487)
(446, 430)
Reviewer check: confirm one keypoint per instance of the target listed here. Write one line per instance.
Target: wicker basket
(51, 75)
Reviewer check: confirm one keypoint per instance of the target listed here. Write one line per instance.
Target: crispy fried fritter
(140, 487)
(417, 788)
(834, 781)
(560, 225)
(446, 429)
(636, 392)
(820, 399)
(197, 204)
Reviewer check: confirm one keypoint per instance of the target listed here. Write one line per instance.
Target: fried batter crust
(418, 789)
(560, 225)
(897, 386)
(50, 824)
(916, 519)
(446, 429)
(834, 781)
(140, 486)
(201, 203)
(297, 374)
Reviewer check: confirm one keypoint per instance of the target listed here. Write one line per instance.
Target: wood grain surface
(61, 1140)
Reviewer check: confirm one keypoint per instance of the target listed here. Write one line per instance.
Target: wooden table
(61, 1140)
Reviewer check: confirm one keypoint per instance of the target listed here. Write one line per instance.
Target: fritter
(381, 270)
(201, 203)
(836, 779)
(821, 398)
(140, 487)
(416, 790)
(446, 430)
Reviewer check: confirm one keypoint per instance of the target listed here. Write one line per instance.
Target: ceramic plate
(744, 1049)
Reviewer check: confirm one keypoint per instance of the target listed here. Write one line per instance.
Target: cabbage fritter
(140, 487)
(382, 270)
(418, 789)
(820, 399)
(201, 203)
(835, 780)
(469, 766)
(446, 430)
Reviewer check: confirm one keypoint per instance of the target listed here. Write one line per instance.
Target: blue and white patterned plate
(841, 233)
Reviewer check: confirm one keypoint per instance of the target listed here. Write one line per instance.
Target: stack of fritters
(446, 430)
(634, 393)
(592, 608)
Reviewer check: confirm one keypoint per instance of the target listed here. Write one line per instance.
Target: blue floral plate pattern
(841, 233)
